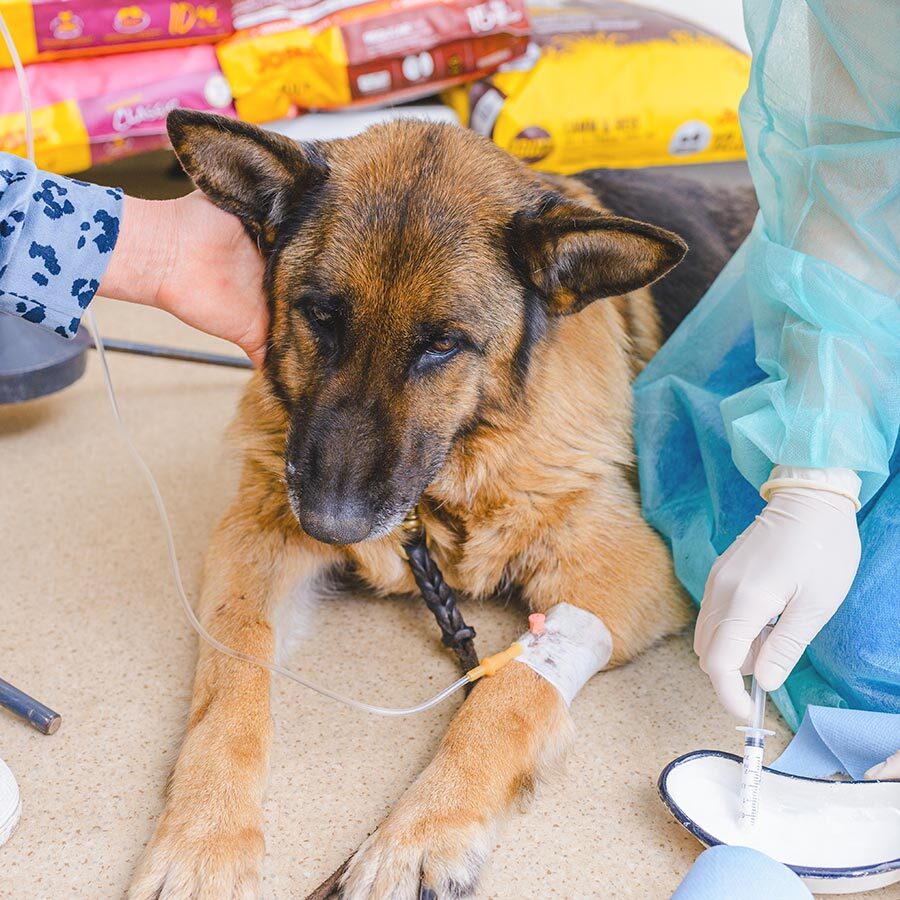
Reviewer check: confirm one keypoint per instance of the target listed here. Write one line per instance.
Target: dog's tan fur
(539, 495)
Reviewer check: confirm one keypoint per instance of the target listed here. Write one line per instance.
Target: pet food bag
(612, 85)
(59, 29)
(325, 55)
(89, 111)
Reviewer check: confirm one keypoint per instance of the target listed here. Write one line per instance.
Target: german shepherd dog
(434, 340)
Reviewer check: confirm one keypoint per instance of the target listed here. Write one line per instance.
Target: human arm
(193, 260)
(822, 132)
(63, 240)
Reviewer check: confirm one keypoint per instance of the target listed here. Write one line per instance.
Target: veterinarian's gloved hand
(195, 261)
(797, 560)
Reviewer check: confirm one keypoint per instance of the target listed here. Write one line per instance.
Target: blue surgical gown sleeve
(821, 269)
(56, 238)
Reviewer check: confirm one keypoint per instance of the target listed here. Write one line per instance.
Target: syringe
(754, 744)
(754, 750)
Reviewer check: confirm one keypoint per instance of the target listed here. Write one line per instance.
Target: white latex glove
(886, 771)
(797, 560)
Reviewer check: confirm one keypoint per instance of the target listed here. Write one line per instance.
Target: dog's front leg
(442, 829)
(515, 722)
(209, 842)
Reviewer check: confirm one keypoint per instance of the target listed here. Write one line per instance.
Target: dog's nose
(347, 523)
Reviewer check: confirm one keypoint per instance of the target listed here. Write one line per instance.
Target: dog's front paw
(420, 851)
(186, 863)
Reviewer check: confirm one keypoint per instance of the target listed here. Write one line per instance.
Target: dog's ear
(575, 255)
(254, 174)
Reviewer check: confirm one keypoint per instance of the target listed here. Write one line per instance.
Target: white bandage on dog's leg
(574, 646)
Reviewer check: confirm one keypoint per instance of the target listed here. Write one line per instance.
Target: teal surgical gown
(793, 355)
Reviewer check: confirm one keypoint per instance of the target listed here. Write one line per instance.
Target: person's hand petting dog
(195, 261)
(797, 560)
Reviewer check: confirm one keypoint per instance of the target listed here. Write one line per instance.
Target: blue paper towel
(739, 873)
(832, 740)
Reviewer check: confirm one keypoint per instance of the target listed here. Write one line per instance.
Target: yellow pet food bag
(612, 85)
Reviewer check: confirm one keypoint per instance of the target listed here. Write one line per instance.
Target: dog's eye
(320, 315)
(442, 346)
(435, 351)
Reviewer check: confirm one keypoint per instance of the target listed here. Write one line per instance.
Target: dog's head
(411, 272)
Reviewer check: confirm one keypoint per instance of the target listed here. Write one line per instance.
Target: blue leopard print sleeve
(56, 238)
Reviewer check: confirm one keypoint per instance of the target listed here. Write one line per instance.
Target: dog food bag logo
(131, 20)
(66, 26)
(418, 66)
(531, 144)
(493, 16)
(217, 92)
(130, 117)
(186, 17)
(690, 137)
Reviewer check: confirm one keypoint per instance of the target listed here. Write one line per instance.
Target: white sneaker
(10, 803)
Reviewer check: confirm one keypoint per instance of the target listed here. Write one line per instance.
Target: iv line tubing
(24, 90)
(157, 496)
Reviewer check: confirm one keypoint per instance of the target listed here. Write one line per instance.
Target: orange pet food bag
(327, 55)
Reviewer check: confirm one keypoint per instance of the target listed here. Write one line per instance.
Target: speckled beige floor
(91, 625)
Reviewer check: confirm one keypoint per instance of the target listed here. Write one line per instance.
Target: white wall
(723, 17)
